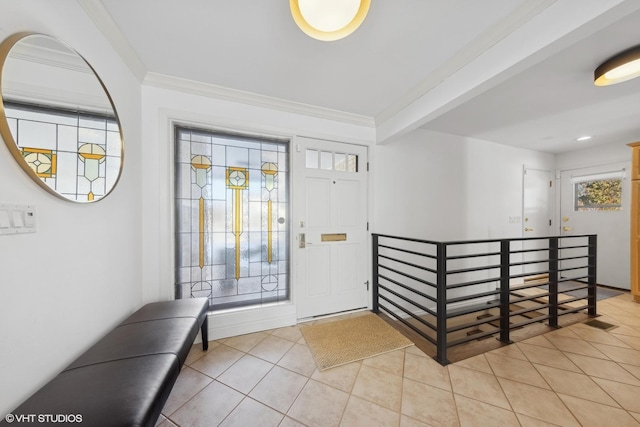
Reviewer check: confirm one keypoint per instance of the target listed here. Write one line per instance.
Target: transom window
(232, 210)
(333, 161)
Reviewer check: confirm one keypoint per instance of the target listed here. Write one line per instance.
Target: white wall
(597, 155)
(449, 187)
(63, 287)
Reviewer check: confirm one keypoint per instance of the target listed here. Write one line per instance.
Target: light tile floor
(577, 375)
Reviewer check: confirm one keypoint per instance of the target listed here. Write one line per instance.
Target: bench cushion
(126, 392)
(171, 309)
(171, 336)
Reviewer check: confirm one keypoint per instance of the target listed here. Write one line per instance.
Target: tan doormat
(343, 341)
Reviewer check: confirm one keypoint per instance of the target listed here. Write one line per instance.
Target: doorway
(330, 227)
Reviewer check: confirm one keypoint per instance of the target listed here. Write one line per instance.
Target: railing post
(375, 274)
(591, 290)
(505, 249)
(553, 282)
(441, 305)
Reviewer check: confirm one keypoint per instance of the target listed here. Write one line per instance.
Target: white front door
(330, 226)
(611, 226)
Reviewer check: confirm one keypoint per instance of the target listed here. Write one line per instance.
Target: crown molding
(507, 25)
(96, 11)
(219, 92)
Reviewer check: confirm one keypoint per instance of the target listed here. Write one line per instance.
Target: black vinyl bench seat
(125, 378)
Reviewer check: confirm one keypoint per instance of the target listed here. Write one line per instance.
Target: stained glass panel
(77, 154)
(231, 205)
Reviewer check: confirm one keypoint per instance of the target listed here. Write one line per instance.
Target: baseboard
(249, 320)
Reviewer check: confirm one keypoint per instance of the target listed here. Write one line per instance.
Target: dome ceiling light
(622, 67)
(329, 20)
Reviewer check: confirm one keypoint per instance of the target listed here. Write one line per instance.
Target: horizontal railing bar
(415, 291)
(478, 255)
(408, 276)
(474, 296)
(574, 268)
(402, 297)
(524, 251)
(528, 310)
(528, 298)
(462, 242)
(407, 251)
(535, 285)
(528, 322)
(409, 325)
(518, 264)
(570, 300)
(574, 279)
(410, 264)
(515, 239)
(575, 247)
(538, 273)
(475, 282)
(470, 269)
(408, 239)
(578, 288)
(472, 324)
(573, 257)
(472, 309)
(472, 337)
(573, 310)
(418, 318)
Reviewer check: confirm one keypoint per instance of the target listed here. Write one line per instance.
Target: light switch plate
(17, 219)
(4, 219)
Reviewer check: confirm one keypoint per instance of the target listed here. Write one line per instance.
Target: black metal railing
(451, 293)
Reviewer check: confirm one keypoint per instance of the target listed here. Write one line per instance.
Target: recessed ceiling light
(583, 138)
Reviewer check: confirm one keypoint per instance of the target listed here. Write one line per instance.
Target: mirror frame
(5, 48)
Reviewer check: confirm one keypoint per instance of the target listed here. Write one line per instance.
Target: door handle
(301, 241)
(565, 228)
(528, 229)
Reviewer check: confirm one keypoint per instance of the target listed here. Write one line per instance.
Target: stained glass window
(77, 154)
(232, 210)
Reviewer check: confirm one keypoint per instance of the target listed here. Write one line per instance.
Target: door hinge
(367, 166)
(550, 184)
(549, 223)
(367, 225)
(367, 283)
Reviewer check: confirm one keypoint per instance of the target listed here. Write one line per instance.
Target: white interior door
(611, 226)
(330, 225)
(536, 214)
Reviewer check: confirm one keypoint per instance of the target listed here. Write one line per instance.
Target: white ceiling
(516, 72)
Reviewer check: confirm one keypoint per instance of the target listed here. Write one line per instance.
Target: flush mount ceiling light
(622, 67)
(329, 20)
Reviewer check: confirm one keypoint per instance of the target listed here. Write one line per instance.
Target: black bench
(126, 377)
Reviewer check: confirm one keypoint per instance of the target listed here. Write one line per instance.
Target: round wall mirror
(58, 119)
